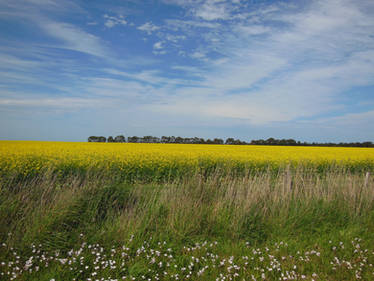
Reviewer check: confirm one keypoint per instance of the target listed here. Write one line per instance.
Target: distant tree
(239, 142)
(96, 139)
(195, 140)
(229, 141)
(218, 141)
(271, 141)
(134, 139)
(93, 139)
(120, 138)
(367, 144)
(232, 141)
(150, 139)
(188, 140)
(147, 139)
(178, 140)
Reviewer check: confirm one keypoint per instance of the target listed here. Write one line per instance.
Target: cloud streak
(239, 62)
(111, 21)
(148, 27)
(295, 69)
(74, 38)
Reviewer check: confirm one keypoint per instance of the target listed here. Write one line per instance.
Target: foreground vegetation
(73, 215)
(292, 226)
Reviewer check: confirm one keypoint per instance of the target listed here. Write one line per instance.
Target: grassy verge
(292, 225)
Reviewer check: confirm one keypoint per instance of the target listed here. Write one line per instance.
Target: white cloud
(175, 38)
(189, 70)
(158, 48)
(74, 38)
(37, 12)
(25, 5)
(299, 68)
(7, 77)
(348, 120)
(212, 10)
(157, 45)
(13, 62)
(274, 64)
(162, 52)
(243, 71)
(152, 77)
(356, 126)
(125, 91)
(208, 10)
(148, 27)
(44, 2)
(112, 21)
(185, 24)
(198, 55)
(252, 29)
(68, 103)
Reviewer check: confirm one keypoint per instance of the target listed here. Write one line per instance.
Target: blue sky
(207, 68)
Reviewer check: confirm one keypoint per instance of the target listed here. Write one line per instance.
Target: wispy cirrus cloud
(74, 38)
(296, 69)
(178, 24)
(111, 21)
(212, 10)
(68, 103)
(208, 10)
(158, 48)
(8, 61)
(248, 63)
(148, 27)
(70, 36)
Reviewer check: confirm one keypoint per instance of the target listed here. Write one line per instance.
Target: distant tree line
(119, 138)
(152, 139)
(229, 141)
(292, 142)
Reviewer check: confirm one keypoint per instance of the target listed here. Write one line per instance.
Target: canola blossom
(141, 160)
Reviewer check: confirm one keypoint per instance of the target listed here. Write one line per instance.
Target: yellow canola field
(150, 159)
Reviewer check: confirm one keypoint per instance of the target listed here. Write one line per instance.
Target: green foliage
(242, 214)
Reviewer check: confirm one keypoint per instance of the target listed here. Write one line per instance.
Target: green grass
(314, 225)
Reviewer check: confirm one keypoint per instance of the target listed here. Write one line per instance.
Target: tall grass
(294, 205)
(226, 206)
